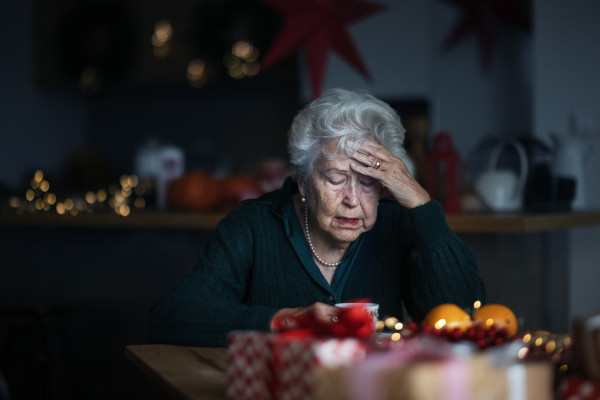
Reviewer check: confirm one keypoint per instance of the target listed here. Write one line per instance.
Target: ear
(301, 185)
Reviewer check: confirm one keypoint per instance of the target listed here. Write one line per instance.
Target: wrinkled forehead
(338, 154)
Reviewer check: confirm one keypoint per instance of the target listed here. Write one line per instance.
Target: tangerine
(449, 316)
(498, 314)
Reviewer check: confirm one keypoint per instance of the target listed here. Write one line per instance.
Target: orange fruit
(448, 315)
(498, 314)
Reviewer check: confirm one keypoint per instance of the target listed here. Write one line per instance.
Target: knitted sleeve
(208, 303)
(441, 268)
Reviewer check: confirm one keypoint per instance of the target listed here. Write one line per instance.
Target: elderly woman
(352, 224)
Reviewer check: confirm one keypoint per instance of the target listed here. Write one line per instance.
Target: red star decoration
(318, 26)
(485, 17)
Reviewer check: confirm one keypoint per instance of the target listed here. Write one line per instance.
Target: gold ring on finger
(378, 166)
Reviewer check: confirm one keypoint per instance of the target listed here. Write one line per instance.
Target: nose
(351, 195)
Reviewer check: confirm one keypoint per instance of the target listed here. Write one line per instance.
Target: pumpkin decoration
(237, 188)
(195, 191)
(497, 314)
(449, 316)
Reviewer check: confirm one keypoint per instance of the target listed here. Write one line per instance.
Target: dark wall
(37, 129)
(228, 127)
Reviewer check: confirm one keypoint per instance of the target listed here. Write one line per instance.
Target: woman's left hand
(392, 173)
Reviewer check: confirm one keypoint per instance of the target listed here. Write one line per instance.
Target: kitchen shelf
(521, 223)
(464, 223)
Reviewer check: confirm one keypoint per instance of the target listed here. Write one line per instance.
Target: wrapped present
(572, 388)
(427, 370)
(586, 344)
(264, 366)
(289, 365)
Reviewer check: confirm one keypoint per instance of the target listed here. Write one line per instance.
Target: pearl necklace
(310, 243)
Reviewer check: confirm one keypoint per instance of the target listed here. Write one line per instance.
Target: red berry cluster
(483, 336)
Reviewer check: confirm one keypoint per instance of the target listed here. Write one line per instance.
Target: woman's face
(342, 203)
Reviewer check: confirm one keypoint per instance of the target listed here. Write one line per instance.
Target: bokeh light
(68, 204)
(29, 195)
(119, 197)
(235, 71)
(39, 204)
(124, 180)
(101, 195)
(51, 198)
(252, 56)
(390, 322)
(124, 209)
(563, 369)
(44, 185)
(139, 202)
(161, 51)
(87, 78)
(13, 202)
(133, 180)
(250, 68)
(90, 197)
(163, 31)
(523, 352)
(60, 208)
(38, 176)
(242, 48)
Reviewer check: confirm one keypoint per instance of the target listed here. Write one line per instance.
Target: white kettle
(502, 190)
(571, 156)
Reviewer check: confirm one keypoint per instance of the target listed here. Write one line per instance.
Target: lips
(345, 221)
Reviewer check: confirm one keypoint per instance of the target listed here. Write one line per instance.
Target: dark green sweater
(249, 270)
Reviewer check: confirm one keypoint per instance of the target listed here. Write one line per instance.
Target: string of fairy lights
(121, 198)
(536, 345)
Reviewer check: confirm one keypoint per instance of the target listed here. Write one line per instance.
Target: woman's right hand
(286, 316)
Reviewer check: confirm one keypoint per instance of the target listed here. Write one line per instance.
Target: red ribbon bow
(351, 322)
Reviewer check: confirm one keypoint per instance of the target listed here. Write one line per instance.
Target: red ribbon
(351, 322)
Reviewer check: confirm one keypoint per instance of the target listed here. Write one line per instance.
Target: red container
(442, 173)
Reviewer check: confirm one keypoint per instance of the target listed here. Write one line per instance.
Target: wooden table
(187, 373)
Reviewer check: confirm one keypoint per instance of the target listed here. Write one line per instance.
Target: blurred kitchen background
(103, 104)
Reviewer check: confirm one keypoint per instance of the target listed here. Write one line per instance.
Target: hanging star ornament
(486, 18)
(318, 26)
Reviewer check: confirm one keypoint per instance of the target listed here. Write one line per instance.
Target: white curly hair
(347, 116)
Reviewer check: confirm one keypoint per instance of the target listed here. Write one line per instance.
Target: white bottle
(171, 165)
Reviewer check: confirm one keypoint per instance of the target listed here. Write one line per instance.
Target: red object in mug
(442, 173)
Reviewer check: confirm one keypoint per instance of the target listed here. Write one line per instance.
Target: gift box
(420, 372)
(586, 344)
(265, 366)
(578, 388)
